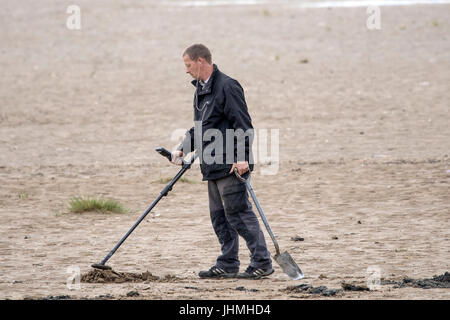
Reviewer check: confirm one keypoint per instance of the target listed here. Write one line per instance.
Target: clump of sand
(104, 276)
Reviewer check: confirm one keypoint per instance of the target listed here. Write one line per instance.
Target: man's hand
(177, 157)
(242, 167)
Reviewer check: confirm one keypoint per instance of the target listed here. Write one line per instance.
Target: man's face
(192, 67)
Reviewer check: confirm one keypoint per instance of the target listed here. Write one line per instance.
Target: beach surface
(359, 193)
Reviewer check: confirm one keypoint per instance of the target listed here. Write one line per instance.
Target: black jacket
(221, 105)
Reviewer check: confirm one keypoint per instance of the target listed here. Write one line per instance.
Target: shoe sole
(221, 276)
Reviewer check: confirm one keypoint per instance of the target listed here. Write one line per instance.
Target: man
(220, 108)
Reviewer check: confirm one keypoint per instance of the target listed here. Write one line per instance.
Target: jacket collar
(208, 87)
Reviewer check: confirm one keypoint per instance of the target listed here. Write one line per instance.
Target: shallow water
(306, 4)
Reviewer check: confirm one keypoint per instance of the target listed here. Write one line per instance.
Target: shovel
(283, 259)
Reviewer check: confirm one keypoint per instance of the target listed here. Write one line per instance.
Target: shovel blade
(289, 266)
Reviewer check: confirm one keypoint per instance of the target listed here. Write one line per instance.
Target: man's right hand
(177, 157)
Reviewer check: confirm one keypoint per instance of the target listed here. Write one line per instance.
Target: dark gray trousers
(232, 216)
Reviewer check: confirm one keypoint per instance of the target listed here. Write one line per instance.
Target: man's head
(198, 61)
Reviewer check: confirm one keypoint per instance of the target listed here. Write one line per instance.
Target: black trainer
(255, 273)
(216, 272)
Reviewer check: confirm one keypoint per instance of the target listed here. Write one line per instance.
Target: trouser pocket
(221, 226)
(234, 198)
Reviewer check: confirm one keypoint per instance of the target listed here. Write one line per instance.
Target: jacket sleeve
(236, 112)
(187, 145)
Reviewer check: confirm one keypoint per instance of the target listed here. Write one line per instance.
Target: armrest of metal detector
(164, 152)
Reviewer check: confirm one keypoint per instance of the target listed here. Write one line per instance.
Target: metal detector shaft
(164, 192)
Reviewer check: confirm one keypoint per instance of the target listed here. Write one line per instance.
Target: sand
(364, 167)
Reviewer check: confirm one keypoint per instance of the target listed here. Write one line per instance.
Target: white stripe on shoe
(218, 271)
(258, 272)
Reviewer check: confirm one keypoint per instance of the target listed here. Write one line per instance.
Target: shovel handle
(260, 210)
(236, 172)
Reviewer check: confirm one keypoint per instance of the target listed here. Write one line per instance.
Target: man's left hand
(242, 167)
